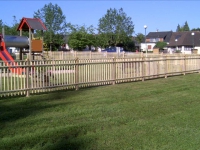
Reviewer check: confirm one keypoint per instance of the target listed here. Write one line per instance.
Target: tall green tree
(116, 25)
(55, 21)
(1, 24)
(185, 27)
(178, 28)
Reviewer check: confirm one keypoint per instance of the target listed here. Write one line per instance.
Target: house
(153, 37)
(185, 42)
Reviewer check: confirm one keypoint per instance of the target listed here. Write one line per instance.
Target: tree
(54, 19)
(161, 45)
(178, 28)
(185, 27)
(116, 26)
(129, 44)
(13, 29)
(81, 37)
(139, 38)
(10, 30)
(101, 40)
(195, 29)
(1, 24)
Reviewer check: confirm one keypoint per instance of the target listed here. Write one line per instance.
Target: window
(154, 39)
(157, 39)
(187, 48)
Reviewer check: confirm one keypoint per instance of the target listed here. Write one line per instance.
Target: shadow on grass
(13, 109)
(70, 139)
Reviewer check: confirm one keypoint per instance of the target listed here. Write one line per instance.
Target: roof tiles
(32, 23)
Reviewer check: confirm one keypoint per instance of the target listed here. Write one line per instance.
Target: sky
(158, 15)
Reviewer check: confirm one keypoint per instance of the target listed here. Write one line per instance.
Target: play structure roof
(32, 23)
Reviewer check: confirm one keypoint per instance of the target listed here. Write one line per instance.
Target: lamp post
(192, 39)
(145, 27)
(176, 43)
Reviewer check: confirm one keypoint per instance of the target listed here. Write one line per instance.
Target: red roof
(32, 23)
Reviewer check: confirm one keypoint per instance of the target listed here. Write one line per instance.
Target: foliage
(177, 51)
(1, 24)
(195, 29)
(77, 40)
(116, 26)
(54, 19)
(160, 45)
(155, 114)
(10, 30)
(178, 28)
(140, 37)
(102, 40)
(185, 27)
(81, 36)
(129, 45)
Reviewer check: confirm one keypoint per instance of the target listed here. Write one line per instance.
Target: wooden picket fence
(66, 55)
(50, 75)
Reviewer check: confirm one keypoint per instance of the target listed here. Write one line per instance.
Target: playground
(26, 45)
(32, 76)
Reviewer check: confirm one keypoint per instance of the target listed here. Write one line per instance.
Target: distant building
(153, 37)
(186, 42)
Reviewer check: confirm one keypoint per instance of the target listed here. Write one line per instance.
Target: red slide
(9, 61)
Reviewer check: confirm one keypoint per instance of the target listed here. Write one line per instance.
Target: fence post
(77, 73)
(141, 54)
(165, 60)
(90, 54)
(184, 61)
(27, 78)
(50, 54)
(143, 63)
(62, 57)
(114, 71)
(75, 54)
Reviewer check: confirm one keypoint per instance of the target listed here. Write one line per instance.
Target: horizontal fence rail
(29, 77)
(67, 55)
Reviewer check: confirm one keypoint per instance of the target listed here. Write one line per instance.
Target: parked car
(112, 49)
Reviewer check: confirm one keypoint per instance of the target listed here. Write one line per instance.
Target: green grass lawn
(161, 114)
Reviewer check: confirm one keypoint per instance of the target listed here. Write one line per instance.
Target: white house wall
(183, 49)
(198, 49)
(145, 45)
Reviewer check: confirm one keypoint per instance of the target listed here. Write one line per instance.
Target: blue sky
(157, 15)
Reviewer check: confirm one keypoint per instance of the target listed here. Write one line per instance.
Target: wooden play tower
(30, 25)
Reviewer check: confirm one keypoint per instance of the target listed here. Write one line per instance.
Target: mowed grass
(160, 114)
